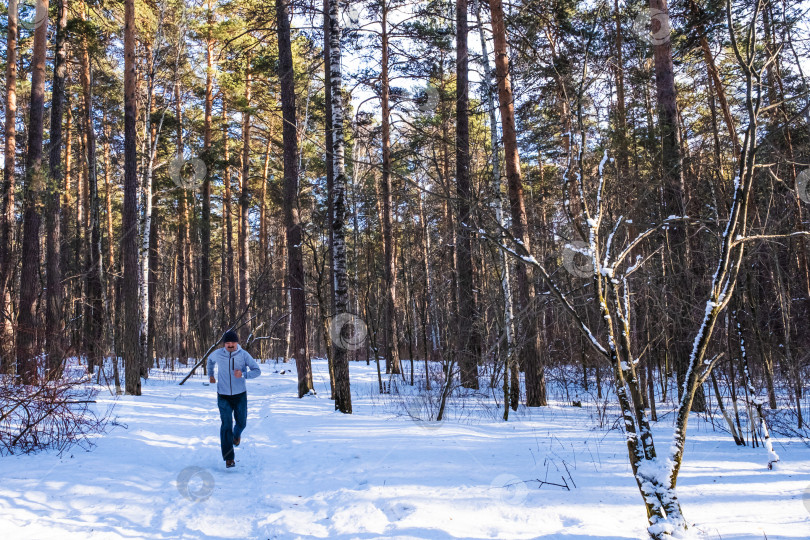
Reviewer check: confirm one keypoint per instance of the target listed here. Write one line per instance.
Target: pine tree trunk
(182, 239)
(8, 188)
(27, 321)
(623, 156)
(244, 202)
(506, 287)
(263, 247)
(129, 247)
(391, 347)
(95, 315)
(292, 221)
(679, 285)
(531, 355)
(205, 308)
(227, 256)
(110, 286)
(469, 342)
(54, 329)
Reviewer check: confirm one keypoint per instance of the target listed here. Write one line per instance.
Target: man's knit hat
(230, 335)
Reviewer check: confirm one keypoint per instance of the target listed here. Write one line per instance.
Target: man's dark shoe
(229, 463)
(237, 440)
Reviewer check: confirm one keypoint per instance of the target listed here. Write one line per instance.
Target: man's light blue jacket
(226, 363)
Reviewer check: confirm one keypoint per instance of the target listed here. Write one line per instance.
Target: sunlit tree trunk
(263, 247)
(244, 200)
(227, 256)
(110, 287)
(510, 367)
(531, 355)
(9, 185)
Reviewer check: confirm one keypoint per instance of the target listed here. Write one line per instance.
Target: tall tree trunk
(244, 201)
(674, 191)
(263, 247)
(182, 238)
(328, 158)
(227, 256)
(711, 67)
(9, 181)
(469, 341)
(205, 307)
(623, 155)
(151, 136)
(109, 220)
(343, 397)
(431, 320)
(94, 324)
(530, 356)
(510, 367)
(131, 342)
(154, 260)
(391, 346)
(68, 222)
(292, 221)
(54, 329)
(27, 324)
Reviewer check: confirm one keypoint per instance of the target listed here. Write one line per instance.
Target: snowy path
(304, 471)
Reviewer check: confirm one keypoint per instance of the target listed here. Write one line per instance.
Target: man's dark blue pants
(231, 408)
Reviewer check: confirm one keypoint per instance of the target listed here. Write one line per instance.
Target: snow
(386, 471)
(602, 163)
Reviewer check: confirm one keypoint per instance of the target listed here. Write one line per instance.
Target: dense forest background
(514, 193)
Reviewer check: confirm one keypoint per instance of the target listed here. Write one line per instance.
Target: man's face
(230, 346)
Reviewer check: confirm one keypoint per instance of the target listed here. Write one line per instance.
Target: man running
(231, 363)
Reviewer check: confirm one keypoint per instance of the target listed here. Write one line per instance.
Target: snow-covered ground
(306, 471)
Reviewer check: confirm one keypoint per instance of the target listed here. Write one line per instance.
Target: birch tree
(343, 398)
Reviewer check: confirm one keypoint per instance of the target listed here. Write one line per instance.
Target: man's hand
(237, 373)
(211, 379)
